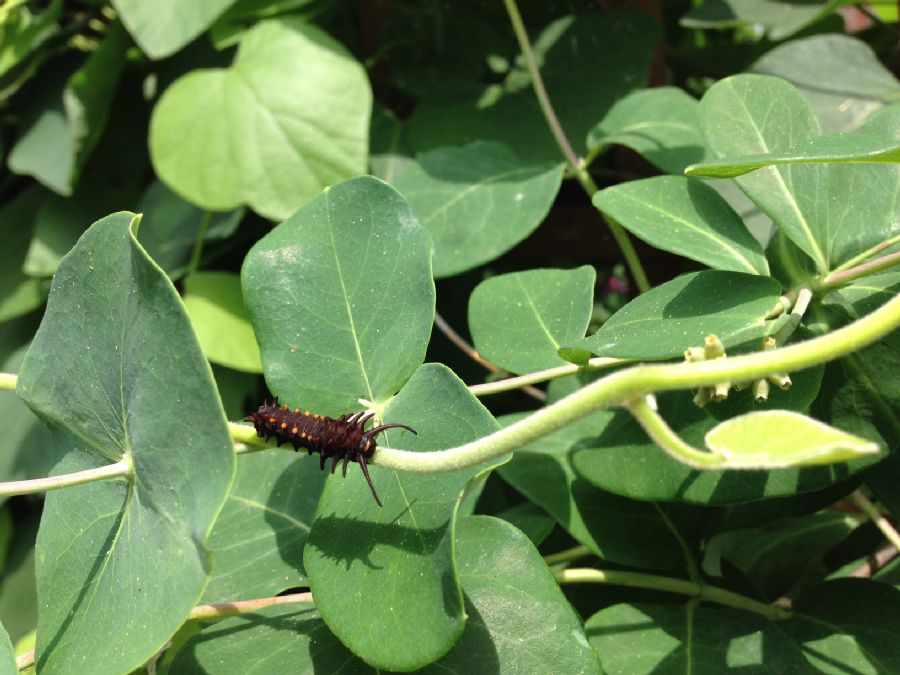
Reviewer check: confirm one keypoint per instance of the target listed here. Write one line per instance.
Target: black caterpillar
(344, 438)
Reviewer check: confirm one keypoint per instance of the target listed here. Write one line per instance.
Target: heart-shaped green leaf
(781, 438)
(162, 28)
(665, 321)
(641, 639)
(518, 321)
(477, 201)
(117, 373)
(289, 117)
(341, 298)
(214, 303)
(685, 217)
(661, 124)
(397, 562)
(258, 540)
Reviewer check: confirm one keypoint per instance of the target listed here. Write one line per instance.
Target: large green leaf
(396, 562)
(877, 141)
(287, 639)
(615, 47)
(753, 114)
(214, 303)
(518, 321)
(289, 117)
(117, 373)
(257, 542)
(162, 28)
(341, 298)
(660, 123)
(841, 76)
(686, 217)
(477, 201)
(615, 528)
(665, 321)
(780, 18)
(848, 626)
(641, 639)
(543, 634)
(65, 124)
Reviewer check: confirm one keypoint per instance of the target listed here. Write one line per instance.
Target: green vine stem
(623, 387)
(842, 278)
(693, 589)
(866, 506)
(219, 610)
(576, 165)
(198, 243)
(29, 487)
(569, 554)
(626, 385)
(867, 254)
(662, 434)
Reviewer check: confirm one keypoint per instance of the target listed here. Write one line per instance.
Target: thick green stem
(576, 165)
(625, 385)
(29, 487)
(8, 381)
(692, 589)
(198, 243)
(219, 610)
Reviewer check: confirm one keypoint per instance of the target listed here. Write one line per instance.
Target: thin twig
(473, 354)
(881, 522)
(875, 562)
(218, 610)
(844, 277)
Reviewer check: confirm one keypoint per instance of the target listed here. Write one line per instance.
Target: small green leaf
(640, 639)
(162, 28)
(848, 626)
(25, 42)
(215, 305)
(840, 75)
(478, 201)
(7, 655)
(780, 438)
(665, 321)
(661, 124)
(780, 18)
(518, 321)
(19, 294)
(66, 122)
(397, 562)
(341, 298)
(116, 372)
(257, 542)
(877, 141)
(686, 217)
(544, 633)
(288, 118)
